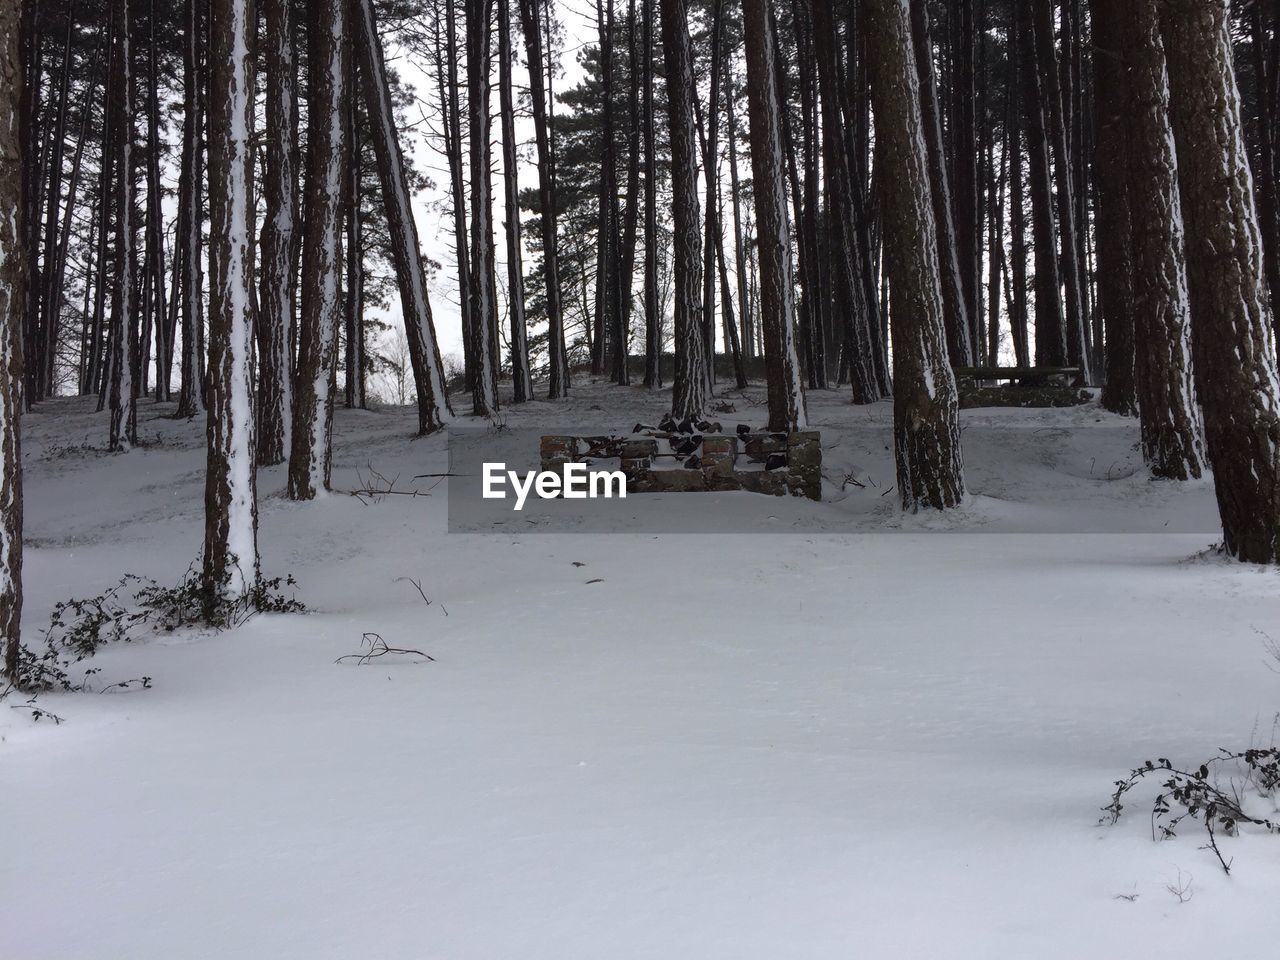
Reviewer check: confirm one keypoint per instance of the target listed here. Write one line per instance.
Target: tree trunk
(1050, 90)
(231, 511)
(926, 422)
(12, 301)
(689, 386)
(1232, 337)
(1171, 428)
(353, 312)
(428, 366)
(777, 294)
(190, 213)
(310, 459)
(557, 358)
(522, 387)
(279, 237)
(1115, 227)
(856, 332)
(49, 298)
(124, 343)
(450, 103)
(153, 315)
(652, 321)
(484, 392)
(1051, 337)
(954, 304)
(739, 252)
(1017, 204)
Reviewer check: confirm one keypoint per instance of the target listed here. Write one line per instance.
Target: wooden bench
(1026, 387)
(1023, 376)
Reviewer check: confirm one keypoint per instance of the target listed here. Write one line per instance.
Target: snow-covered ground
(876, 742)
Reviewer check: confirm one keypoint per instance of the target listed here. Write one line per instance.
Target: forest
(1016, 262)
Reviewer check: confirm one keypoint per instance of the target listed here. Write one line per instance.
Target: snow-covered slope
(877, 742)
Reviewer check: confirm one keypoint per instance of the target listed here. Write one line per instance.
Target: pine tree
(12, 299)
(310, 459)
(777, 289)
(926, 421)
(1171, 428)
(424, 352)
(279, 243)
(689, 386)
(1232, 338)
(231, 509)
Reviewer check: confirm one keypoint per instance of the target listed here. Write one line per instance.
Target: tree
(428, 367)
(652, 321)
(926, 422)
(689, 386)
(953, 291)
(1171, 428)
(12, 298)
(522, 387)
(777, 287)
(1115, 215)
(279, 237)
(231, 508)
(558, 380)
(1232, 339)
(124, 320)
(189, 240)
(309, 461)
(484, 390)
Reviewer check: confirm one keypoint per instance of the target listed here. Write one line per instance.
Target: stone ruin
(657, 460)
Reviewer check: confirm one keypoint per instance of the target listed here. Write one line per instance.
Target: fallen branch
(378, 647)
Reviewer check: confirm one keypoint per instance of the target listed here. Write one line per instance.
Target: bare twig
(378, 647)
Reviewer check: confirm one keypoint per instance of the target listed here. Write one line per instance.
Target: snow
(886, 742)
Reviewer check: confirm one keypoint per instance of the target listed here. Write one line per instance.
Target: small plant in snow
(78, 628)
(1198, 794)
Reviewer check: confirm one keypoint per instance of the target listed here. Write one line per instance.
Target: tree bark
(522, 387)
(956, 313)
(1232, 337)
(926, 422)
(1051, 337)
(1050, 90)
(428, 366)
(190, 213)
(787, 409)
(689, 386)
(310, 459)
(652, 321)
(124, 337)
(484, 391)
(557, 358)
(279, 237)
(13, 279)
(1172, 435)
(1115, 219)
(353, 311)
(231, 511)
